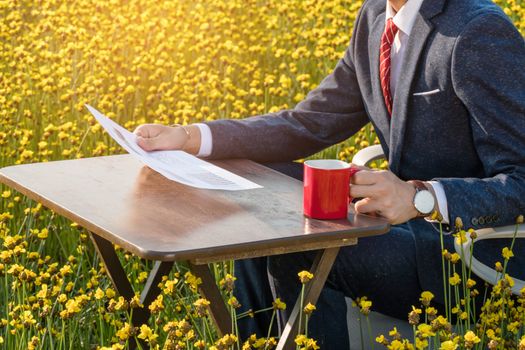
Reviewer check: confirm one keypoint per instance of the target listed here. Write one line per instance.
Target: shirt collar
(405, 18)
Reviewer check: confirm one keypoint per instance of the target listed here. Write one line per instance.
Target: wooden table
(122, 202)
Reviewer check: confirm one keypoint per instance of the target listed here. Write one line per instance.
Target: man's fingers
(366, 206)
(364, 177)
(149, 144)
(368, 177)
(363, 191)
(148, 130)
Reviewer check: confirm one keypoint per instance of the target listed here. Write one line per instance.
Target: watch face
(424, 202)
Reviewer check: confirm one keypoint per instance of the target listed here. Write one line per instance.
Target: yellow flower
(122, 304)
(425, 331)
(193, 281)
(382, 340)
(142, 277)
(170, 287)
(400, 345)
(305, 276)
(426, 298)
(110, 293)
(99, 294)
(394, 333)
(158, 304)
(124, 332)
(448, 345)
(42, 294)
(226, 341)
(471, 339)
(43, 233)
(309, 308)
(199, 344)
(227, 282)
(201, 306)
(454, 280)
(514, 327)
(364, 305)
(306, 343)
(507, 253)
(135, 302)
(233, 302)
(62, 298)
(413, 316)
(454, 258)
(147, 334)
(461, 237)
(421, 343)
(278, 304)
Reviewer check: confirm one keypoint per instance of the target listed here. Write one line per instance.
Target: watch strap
(419, 185)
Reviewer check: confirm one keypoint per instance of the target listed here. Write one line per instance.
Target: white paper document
(175, 165)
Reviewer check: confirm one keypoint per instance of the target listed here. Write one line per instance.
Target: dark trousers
(382, 268)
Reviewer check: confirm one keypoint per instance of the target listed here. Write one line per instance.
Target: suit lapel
(380, 115)
(416, 43)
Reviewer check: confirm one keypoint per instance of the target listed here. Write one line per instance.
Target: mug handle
(353, 171)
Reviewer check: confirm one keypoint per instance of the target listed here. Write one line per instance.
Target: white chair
(369, 154)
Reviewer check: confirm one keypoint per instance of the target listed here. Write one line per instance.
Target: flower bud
(459, 223)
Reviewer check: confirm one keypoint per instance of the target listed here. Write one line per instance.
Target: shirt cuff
(206, 140)
(441, 200)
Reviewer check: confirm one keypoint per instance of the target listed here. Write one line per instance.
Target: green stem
(369, 332)
(443, 271)
(270, 328)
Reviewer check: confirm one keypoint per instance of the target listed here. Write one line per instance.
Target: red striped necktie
(384, 57)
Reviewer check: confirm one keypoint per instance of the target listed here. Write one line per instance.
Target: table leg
(320, 268)
(209, 290)
(151, 289)
(120, 281)
(114, 269)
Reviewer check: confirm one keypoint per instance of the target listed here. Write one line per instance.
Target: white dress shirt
(404, 20)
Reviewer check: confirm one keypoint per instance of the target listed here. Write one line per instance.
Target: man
(443, 83)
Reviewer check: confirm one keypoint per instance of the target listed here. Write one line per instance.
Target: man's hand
(385, 194)
(157, 137)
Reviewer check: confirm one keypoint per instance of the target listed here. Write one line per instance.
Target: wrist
(193, 142)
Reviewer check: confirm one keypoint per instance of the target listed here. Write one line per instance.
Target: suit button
(481, 220)
(488, 219)
(474, 221)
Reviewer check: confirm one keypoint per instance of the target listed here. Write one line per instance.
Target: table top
(127, 203)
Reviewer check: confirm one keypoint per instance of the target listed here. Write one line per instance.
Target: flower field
(142, 61)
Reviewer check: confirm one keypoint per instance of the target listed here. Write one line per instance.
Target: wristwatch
(424, 200)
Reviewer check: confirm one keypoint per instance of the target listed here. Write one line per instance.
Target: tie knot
(390, 30)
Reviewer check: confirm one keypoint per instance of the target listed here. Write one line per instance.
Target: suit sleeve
(330, 114)
(489, 77)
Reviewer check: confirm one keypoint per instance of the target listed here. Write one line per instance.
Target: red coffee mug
(326, 188)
